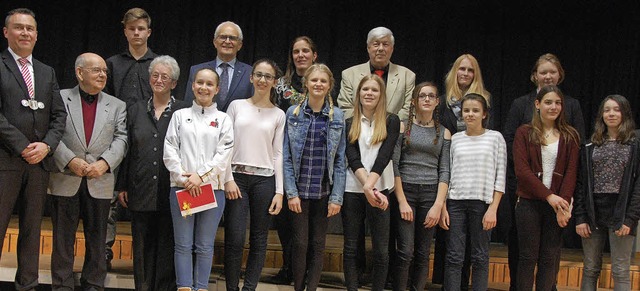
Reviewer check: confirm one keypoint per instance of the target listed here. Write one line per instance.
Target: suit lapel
(10, 63)
(238, 72)
(392, 82)
(74, 108)
(102, 112)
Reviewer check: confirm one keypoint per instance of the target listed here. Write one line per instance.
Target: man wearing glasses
(32, 121)
(234, 75)
(94, 143)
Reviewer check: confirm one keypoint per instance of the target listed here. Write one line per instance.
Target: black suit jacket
(19, 125)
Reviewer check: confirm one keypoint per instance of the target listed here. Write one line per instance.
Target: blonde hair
(313, 68)
(453, 90)
(379, 115)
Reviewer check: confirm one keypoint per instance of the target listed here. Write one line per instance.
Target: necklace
(421, 123)
(549, 133)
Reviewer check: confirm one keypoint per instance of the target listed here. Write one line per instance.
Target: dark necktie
(224, 84)
(380, 73)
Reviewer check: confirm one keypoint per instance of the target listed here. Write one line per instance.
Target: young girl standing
(372, 135)
(421, 167)
(545, 155)
(314, 171)
(255, 189)
(478, 173)
(607, 206)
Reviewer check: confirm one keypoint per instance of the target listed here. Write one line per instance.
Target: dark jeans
(309, 236)
(539, 241)
(465, 218)
(65, 217)
(153, 266)
(355, 209)
(512, 243)
(282, 222)
(26, 189)
(414, 240)
(257, 193)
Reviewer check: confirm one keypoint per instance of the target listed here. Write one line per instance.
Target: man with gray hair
(399, 80)
(234, 75)
(94, 143)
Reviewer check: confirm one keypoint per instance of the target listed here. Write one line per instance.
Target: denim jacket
(295, 134)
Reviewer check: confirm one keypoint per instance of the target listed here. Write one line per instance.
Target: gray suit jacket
(400, 84)
(108, 142)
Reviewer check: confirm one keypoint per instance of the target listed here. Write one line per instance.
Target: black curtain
(597, 41)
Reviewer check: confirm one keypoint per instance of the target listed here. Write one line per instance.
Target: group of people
(406, 159)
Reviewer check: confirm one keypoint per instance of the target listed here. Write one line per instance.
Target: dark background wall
(597, 41)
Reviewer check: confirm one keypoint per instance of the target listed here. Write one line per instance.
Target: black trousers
(26, 187)
(66, 212)
(153, 266)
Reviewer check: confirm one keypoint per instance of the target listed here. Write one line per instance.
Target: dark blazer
(527, 158)
(143, 173)
(19, 125)
(240, 87)
(627, 208)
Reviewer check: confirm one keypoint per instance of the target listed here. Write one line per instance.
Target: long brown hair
(412, 113)
(379, 115)
(567, 132)
(626, 129)
(291, 69)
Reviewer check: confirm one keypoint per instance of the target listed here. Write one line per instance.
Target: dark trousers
(414, 240)
(309, 236)
(540, 241)
(355, 209)
(65, 216)
(27, 188)
(153, 266)
(439, 255)
(257, 194)
(465, 217)
(282, 222)
(512, 243)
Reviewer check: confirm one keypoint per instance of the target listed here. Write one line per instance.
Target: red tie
(26, 75)
(379, 73)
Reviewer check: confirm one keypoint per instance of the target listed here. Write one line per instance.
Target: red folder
(190, 205)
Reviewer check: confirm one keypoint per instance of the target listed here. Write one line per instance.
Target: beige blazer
(400, 84)
(108, 142)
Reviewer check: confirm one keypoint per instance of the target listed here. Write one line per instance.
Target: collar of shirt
(232, 63)
(309, 111)
(17, 57)
(149, 55)
(87, 97)
(150, 107)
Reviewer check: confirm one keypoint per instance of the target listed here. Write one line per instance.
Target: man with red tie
(32, 122)
(399, 80)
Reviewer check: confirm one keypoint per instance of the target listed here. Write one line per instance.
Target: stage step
(569, 275)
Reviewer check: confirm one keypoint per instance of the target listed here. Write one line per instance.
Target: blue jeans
(194, 234)
(354, 210)
(539, 243)
(414, 240)
(621, 248)
(465, 219)
(257, 194)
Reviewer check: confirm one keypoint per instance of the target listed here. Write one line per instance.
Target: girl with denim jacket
(421, 168)
(607, 202)
(314, 171)
(371, 137)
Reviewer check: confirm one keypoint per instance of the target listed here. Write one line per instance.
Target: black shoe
(284, 277)
(108, 259)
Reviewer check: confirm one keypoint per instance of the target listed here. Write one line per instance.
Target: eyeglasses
(224, 37)
(162, 77)
(267, 77)
(427, 96)
(96, 70)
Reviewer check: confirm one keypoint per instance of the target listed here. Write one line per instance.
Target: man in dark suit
(94, 143)
(234, 75)
(32, 121)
